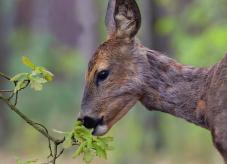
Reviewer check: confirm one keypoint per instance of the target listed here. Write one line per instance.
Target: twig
(62, 151)
(6, 91)
(5, 76)
(27, 84)
(55, 153)
(16, 98)
(49, 141)
(17, 93)
(30, 122)
(11, 96)
(37, 126)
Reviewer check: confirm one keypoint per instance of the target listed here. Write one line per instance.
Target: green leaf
(26, 61)
(81, 131)
(20, 84)
(88, 156)
(36, 85)
(78, 123)
(102, 144)
(100, 152)
(31, 161)
(36, 82)
(19, 77)
(47, 74)
(106, 139)
(18, 160)
(41, 80)
(68, 140)
(36, 71)
(37, 77)
(79, 150)
(89, 145)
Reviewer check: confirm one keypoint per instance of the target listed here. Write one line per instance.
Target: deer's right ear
(123, 19)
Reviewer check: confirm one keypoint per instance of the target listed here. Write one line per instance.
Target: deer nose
(90, 122)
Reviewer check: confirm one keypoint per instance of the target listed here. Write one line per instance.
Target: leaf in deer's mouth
(88, 145)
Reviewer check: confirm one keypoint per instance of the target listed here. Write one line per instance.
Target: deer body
(123, 72)
(174, 88)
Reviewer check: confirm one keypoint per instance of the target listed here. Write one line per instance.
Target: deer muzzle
(98, 126)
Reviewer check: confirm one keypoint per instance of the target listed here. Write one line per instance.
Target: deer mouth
(97, 126)
(103, 128)
(100, 130)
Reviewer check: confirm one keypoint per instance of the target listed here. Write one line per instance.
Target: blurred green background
(62, 35)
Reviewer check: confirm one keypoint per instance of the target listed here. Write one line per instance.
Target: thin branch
(55, 153)
(5, 76)
(27, 84)
(6, 91)
(61, 152)
(11, 96)
(17, 93)
(16, 98)
(49, 141)
(37, 126)
(30, 122)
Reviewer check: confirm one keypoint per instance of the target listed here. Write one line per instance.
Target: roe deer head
(114, 79)
(122, 72)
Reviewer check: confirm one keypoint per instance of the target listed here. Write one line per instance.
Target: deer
(123, 72)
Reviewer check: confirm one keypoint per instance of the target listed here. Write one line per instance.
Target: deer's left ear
(123, 19)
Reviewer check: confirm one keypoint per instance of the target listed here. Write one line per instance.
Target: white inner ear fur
(125, 20)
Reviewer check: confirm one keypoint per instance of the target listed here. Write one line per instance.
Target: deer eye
(102, 75)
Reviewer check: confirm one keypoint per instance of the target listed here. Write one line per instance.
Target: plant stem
(6, 91)
(39, 127)
(30, 122)
(4, 76)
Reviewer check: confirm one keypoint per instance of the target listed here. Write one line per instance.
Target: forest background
(62, 36)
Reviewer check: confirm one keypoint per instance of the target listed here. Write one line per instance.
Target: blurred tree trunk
(73, 23)
(152, 13)
(64, 23)
(40, 12)
(86, 12)
(6, 24)
(160, 42)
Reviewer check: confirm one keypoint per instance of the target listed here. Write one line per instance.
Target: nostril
(91, 122)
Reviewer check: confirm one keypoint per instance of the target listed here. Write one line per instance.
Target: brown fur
(198, 95)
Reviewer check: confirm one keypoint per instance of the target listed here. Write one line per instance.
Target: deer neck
(174, 88)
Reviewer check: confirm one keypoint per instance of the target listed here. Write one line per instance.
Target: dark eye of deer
(102, 76)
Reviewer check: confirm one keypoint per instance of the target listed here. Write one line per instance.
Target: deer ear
(123, 18)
